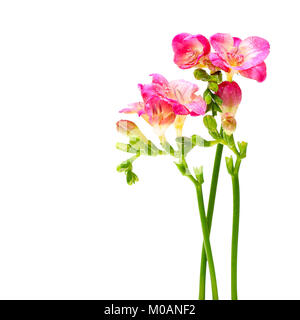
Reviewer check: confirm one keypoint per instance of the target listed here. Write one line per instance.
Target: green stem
(235, 229)
(207, 245)
(210, 211)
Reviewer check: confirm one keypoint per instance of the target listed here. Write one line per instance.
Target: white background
(70, 227)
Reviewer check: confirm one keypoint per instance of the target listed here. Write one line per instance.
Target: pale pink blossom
(163, 101)
(234, 55)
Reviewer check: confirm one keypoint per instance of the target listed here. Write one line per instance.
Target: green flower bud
(199, 174)
(210, 123)
(243, 149)
(201, 74)
(131, 177)
(229, 165)
(213, 86)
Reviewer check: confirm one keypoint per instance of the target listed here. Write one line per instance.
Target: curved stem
(207, 245)
(235, 233)
(210, 211)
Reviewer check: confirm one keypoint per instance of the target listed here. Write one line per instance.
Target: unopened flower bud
(228, 123)
(231, 95)
(130, 129)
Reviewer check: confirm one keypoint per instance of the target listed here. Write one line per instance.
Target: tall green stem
(235, 230)
(209, 217)
(207, 245)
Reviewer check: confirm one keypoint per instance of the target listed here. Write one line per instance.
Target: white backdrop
(70, 227)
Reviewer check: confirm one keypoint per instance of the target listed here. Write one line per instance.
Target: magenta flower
(163, 101)
(231, 95)
(236, 56)
(189, 49)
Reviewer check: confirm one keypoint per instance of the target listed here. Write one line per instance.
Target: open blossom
(231, 95)
(163, 101)
(246, 57)
(189, 49)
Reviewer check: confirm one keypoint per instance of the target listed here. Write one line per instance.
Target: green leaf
(210, 123)
(201, 74)
(229, 165)
(199, 174)
(243, 149)
(213, 86)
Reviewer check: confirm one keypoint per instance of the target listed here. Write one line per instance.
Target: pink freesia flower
(163, 101)
(231, 95)
(189, 49)
(234, 55)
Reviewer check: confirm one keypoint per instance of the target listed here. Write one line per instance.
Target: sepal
(131, 177)
(213, 86)
(199, 174)
(229, 165)
(182, 168)
(243, 149)
(217, 77)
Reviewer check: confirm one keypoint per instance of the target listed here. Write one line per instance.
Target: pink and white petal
(180, 109)
(177, 43)
(197, 107)
(137, 107)
(188, 49)
(205, 44)
(217, 61)
(150, 90)
(182, 91)
(236, 41)
(222, 43)
(255, 50)
(160, 111)
(258, 73)
(159, 79)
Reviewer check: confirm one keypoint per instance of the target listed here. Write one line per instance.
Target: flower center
(234, 58)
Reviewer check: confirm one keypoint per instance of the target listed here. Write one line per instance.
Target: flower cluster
(164, 103)
(169, 102)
